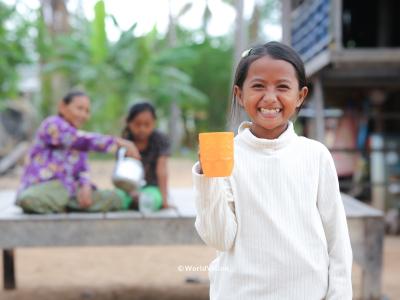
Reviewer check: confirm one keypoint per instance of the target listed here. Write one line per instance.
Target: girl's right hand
(131, 150)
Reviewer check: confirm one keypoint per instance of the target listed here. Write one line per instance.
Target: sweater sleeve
(216, 219)
(333, 218)
(57, 133)
(83, 176)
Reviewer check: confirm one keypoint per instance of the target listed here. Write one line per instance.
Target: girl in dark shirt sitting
(154, 148)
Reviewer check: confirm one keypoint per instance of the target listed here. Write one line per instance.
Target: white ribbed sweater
(278, 222)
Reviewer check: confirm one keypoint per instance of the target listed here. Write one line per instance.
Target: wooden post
(384, 20)
(337, 13)
(377, 167)
(8, 269)
(286, 21)
(318, 99)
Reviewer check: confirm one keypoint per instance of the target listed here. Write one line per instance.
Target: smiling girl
(278, 221)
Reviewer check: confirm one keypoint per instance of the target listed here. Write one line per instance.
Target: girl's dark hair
(69, 97)
(275, 50)
(135, 110)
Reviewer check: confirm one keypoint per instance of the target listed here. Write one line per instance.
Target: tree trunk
(175, 126)
(55, 16)
(240, 46)
(254, 26)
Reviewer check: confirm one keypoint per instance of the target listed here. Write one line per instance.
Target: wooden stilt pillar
(8, 269)
(318, 99)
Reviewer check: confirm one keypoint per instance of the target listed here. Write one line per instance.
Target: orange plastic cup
(216, 153)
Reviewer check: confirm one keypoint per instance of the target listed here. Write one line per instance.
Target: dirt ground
(125, 273)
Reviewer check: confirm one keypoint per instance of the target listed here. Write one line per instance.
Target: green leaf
(99, 36)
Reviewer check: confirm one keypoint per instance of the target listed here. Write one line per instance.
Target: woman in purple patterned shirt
(55, 178)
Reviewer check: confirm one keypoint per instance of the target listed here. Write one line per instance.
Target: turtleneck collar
(274, 144)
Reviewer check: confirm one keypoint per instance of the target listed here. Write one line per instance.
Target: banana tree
(264, 12)
(115, 74)
(13, 49)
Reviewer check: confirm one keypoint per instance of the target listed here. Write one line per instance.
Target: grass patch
(101, 156)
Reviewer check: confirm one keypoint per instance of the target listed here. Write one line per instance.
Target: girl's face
(270, 95)
(77, 112)
(142, 125)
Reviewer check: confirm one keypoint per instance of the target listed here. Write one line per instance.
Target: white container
(146, 203)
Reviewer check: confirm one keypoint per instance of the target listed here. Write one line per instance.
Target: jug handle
(121, 153)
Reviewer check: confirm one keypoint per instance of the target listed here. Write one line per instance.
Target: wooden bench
(167, 227)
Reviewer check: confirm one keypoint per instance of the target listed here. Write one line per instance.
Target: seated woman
(55, 178)
(154, 148)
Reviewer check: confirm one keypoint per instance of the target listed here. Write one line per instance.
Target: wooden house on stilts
(351, 51)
